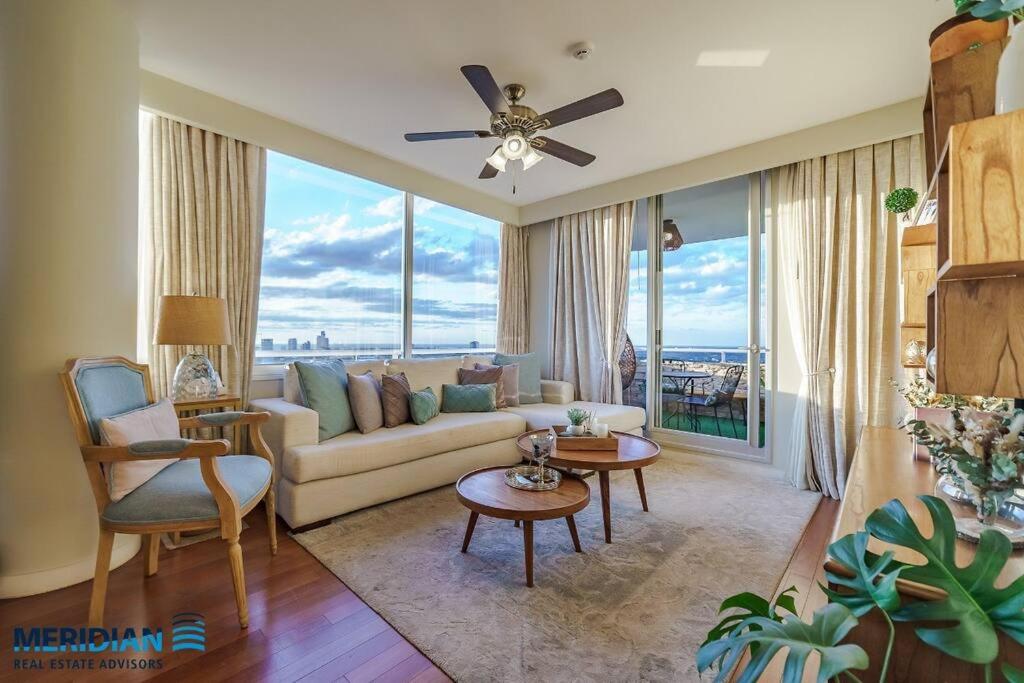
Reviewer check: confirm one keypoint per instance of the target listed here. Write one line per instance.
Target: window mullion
(407, 266)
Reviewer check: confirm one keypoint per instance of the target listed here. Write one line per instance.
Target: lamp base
(194, 378)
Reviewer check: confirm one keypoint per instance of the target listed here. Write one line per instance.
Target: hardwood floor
(805, 571)
(305, 624)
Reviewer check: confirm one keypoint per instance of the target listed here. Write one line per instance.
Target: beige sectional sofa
(320, 480)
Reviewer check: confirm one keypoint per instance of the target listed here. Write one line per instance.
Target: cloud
(313, 220)
(377, 250)
(718, 290)
(689, 284)
(389, 207)
(718, 263)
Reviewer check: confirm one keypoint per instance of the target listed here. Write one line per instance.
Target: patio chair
(721, 397)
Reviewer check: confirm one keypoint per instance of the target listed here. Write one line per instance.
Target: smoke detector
(582, 50)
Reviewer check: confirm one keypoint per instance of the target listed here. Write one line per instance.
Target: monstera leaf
(874, 581)
(744, 606)
(973, 602)
(829, 625)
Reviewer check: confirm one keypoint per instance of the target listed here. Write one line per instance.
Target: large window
(455, 280)
(333, 259)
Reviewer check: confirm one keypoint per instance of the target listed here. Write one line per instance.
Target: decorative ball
(915, 352)
(930, 363)
(901, 200)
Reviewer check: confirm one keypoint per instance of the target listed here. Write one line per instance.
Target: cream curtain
(839, 252)
(202, 234)
(513, 291)
(591, 294)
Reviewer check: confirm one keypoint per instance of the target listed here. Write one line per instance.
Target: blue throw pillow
(469, 398)
(529, 375)
(324, 386)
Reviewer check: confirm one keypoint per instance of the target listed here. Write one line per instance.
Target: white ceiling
(367, 72)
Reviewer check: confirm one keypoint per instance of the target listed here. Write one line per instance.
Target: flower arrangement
(920, 393)
(982, 452)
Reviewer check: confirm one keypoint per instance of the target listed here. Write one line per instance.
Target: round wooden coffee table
(635, 452)
(485, 492)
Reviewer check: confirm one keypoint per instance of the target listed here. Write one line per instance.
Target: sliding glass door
(708, 317)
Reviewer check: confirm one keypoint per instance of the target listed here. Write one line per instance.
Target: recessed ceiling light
(740, 58)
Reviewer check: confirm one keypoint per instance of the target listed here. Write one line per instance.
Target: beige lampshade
(192, 321)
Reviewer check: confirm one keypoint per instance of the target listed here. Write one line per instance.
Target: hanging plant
(901, 200)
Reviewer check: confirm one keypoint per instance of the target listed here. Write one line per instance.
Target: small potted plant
(933, 408)
(1010, 81)
(577, 421)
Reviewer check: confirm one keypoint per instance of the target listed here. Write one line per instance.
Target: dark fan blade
(563, 152)
(588, 106)
(447, 135)
(483, 82)
(488, 172)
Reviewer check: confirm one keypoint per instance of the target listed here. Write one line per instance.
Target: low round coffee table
(485, 492)
(635, 452)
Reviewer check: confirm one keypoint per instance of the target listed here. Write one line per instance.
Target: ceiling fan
(517, 124)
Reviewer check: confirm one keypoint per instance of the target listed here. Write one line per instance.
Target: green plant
(746, 605)
(991, 10)
(901, 200)
(965, 624)
(577, 416)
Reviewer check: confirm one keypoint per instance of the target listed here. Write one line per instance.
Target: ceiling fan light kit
(517, 125)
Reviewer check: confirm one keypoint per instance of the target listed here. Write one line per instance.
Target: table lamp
(193, 321)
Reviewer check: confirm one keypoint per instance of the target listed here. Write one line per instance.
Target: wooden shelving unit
(917, 254)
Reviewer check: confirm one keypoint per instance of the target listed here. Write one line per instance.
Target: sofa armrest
(557, 392)
(289, 425)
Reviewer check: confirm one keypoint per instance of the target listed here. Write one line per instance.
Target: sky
(705, 295)
(332, 261)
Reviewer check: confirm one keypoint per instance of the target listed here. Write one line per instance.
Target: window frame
(275, 371)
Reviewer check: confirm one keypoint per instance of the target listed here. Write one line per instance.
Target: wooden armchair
(205, 489)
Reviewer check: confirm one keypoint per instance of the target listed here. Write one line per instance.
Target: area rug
(634, 610)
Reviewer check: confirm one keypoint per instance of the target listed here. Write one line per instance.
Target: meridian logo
(188, 632)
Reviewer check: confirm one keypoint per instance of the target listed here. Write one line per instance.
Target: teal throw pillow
(529, 375)
(469, 398)
(423, 405)
(324, 386)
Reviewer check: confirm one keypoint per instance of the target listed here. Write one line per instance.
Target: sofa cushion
(487, 374)
(618, 417)
(353, 452)
(529, 375)
(470, 362)
(509, 382)
(324, 387)
(395, 394)
(293, 393)
(423, 406)
(428, 372)
(469, 398)
(178, 493)
(364, 394)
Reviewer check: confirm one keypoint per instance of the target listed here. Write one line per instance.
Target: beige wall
(67, 266)
(170, 98)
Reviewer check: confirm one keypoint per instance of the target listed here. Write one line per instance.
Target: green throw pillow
(324, 386)
(529, 375)
(469, 398)
(423, 405)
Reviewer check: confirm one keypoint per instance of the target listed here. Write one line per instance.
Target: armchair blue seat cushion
(179, 494)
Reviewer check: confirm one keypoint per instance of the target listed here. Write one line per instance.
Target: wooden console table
(883, 468)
